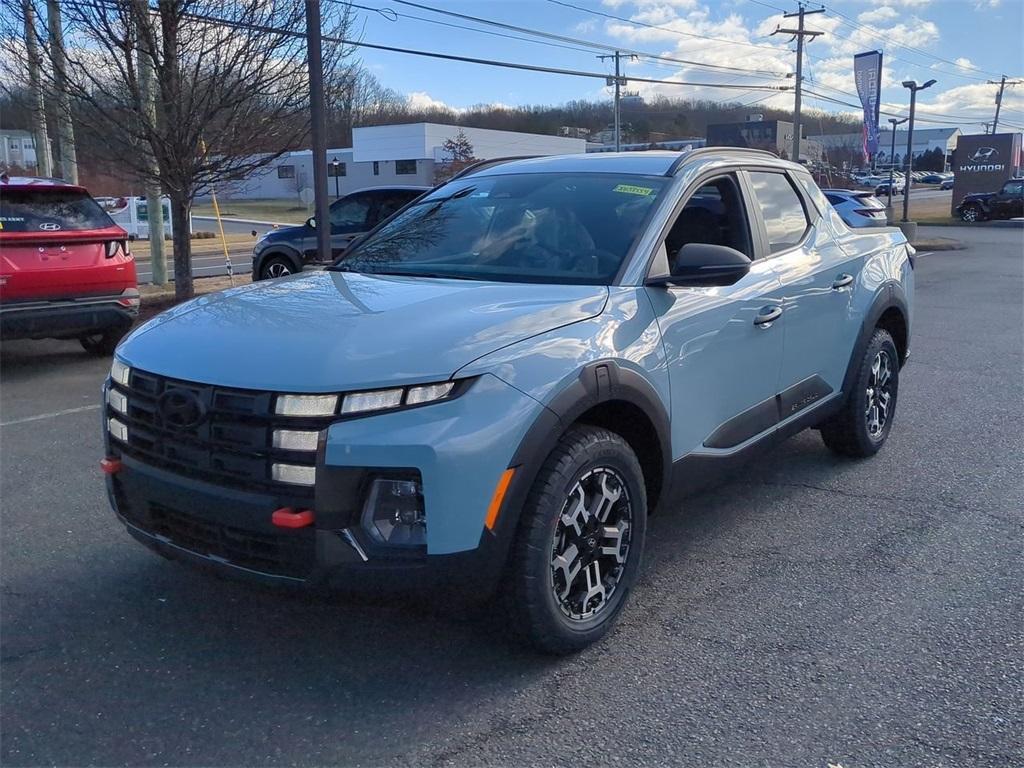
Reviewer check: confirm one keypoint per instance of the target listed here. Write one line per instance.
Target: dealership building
(392, 155)
(925, 140)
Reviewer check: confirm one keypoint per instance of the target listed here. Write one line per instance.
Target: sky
(959, 43)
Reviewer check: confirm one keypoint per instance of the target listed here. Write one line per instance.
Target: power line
(470, 59)
(644, 24)
(578, 41)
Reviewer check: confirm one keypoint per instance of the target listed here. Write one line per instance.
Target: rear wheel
(276, 266)
(579, 544)
(863, 425)
(102, 344)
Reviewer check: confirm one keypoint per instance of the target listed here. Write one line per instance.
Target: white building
(925, 140)
(400, 155)
(17, 150)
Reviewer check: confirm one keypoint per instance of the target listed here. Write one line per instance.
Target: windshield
(533, 227)
(37, 210)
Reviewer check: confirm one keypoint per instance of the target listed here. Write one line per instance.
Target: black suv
(288, 250)
(1007, 203)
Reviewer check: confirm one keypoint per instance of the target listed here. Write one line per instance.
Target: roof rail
(684, 156)
(482, 164)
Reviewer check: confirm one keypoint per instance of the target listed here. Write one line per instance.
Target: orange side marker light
(499, 496)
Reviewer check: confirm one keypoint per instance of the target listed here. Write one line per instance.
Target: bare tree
(231, 97)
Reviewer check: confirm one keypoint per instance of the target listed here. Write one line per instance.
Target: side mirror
(311, 222)
(704, 264)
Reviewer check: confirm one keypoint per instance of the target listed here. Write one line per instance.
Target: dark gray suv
(290, 249)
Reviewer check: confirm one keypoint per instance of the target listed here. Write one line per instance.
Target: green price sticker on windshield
(629, 189)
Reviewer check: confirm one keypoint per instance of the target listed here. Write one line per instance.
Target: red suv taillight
(113, 246)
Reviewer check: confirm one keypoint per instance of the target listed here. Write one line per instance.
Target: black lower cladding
(63, 319)
(230, 530)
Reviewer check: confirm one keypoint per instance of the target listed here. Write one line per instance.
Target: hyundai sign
(983, 162)
(867, 73)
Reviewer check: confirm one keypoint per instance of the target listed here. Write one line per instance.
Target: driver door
(723, 343)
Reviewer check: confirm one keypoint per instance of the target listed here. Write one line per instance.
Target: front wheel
(579, 543)
(276, 266)
(862, 426)
(971, 214)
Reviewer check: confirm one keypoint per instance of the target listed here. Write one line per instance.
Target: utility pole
(617, 81)
(798, 34)
(58, 58)
(318, 114)
(147, 95)
(999, 97)
(44, 164)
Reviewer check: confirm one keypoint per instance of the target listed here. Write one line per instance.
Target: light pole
(914, 88)
(334, 166)
(892, 158)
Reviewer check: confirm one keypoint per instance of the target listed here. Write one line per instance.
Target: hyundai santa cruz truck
(491, 392)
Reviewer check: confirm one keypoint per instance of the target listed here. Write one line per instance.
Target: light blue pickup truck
(490, 393)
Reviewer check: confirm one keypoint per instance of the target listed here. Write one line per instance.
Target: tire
(861, 428)
(592, 465)
(103, 344)
(971, 214)
(275, 267)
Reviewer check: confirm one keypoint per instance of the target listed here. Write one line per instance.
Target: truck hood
(336, 331)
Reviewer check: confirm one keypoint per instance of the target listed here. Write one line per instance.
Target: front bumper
(66, 318)
(459, 449)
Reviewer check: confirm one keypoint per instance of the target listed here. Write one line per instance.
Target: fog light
(296, 474)
(117, 401)
(118, 430)
(393, 513)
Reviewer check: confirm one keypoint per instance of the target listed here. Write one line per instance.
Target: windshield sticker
(629, 189)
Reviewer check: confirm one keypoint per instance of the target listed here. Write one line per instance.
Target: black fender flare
(891, 296)
(602, 381)
(277, 250)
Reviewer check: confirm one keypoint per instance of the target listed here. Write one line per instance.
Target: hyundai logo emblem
(984, 154)
(180, 409)
(49, 226)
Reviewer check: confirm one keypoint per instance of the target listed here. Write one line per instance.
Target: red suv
(65, 268)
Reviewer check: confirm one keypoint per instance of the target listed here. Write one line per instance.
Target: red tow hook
(286, 517)
(110, 466)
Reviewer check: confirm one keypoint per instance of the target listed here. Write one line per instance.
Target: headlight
(296, 440)
(306, 405)
(117, 401)
(360, 402)
(118, 430)
(296, 474)
(119, 372)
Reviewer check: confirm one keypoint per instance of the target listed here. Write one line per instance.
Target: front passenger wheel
(276, 266)
(579, 543)
(863, 425)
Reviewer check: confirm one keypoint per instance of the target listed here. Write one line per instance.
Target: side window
(713, 214)
(783, 212)
(286, 171)
(1014, 188)
(391, 202)
(350, 212)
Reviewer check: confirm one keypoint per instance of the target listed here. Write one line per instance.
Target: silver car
(858, 209)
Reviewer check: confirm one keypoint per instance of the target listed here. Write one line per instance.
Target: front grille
(289, 553)
(231, 446)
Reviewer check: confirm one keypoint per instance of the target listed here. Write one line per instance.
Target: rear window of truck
(38, 210)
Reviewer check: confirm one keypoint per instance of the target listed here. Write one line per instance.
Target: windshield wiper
(454, 196)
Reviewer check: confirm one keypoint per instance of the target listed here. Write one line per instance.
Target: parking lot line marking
(53, 415)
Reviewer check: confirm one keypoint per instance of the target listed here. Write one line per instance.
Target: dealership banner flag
(867, 72)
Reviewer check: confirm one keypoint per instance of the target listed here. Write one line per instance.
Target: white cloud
(423, 100)
(879, 14)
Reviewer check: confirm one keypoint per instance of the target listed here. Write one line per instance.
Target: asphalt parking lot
(812, 611)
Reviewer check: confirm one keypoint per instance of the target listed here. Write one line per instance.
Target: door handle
(767, 316)
(841, 282)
